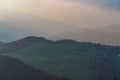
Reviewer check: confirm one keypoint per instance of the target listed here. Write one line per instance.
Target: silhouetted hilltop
(20, 44)
(35, 39)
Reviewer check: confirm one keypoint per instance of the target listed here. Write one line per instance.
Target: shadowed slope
(14, 69)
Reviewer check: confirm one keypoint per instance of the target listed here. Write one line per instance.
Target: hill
(67, 58)
(14, 69)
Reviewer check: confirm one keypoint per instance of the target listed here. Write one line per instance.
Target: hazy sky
(83, 20)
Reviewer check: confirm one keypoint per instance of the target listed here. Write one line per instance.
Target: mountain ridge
(67, 58)
(21, 43)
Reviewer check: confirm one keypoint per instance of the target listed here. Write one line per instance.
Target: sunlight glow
(5, 3)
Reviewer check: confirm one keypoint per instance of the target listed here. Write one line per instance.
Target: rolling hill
(14, 69)
(67, 58)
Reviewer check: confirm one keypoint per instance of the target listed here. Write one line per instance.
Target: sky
(82, 20)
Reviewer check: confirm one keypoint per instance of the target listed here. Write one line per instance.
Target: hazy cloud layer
(105, 3)
(83, 20)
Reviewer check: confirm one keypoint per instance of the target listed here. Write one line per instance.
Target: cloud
(106, 35)
(115, 4)
(56, 20)
(9, 32)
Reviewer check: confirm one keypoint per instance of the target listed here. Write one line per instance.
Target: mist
(90, 21)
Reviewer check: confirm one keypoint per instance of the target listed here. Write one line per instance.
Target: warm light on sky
(83, 20)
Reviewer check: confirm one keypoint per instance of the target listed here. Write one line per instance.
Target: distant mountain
(67, 58)
(14, 69)
(16, 45)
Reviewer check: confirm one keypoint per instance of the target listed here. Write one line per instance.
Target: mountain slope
(67, 58)
(14, 69)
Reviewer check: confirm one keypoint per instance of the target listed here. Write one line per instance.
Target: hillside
(14, 69)
(67, 58)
